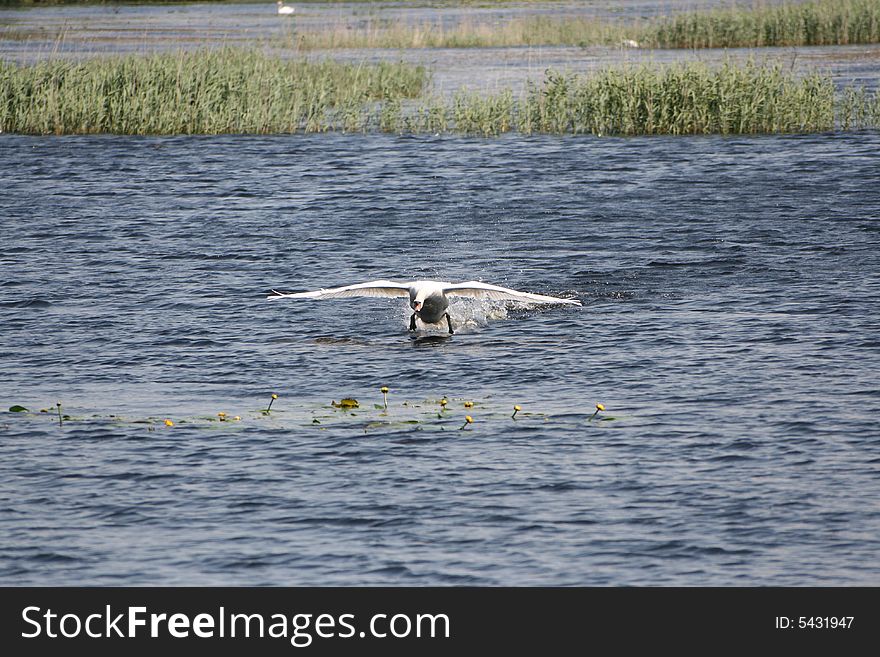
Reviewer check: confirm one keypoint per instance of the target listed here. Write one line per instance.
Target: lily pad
(18, 409)
(348, 402)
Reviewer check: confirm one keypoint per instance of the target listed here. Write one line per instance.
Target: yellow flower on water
(221, 415)
(169, 423)
(443, 403)
(384, 390)
(516, 409)
(274, 396)
(600, 407)
(468, 404)
(237, 418)
(468, 419)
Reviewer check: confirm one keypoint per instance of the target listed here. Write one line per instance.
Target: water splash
(467, 315)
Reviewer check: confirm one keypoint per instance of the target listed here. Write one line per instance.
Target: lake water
(731, 289)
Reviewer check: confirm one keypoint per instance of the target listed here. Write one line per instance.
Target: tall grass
(684, 99)
(201, 92)
(817, 22)
(233, 91)
(814, 23)
(526, 31)
(646, 100)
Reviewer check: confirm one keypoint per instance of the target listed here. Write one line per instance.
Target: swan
(284, 9)
(428, 299)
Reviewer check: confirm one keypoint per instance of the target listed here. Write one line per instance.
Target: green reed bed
(818, 22)
(815, 23)
(528, 31)
(202, 92)
(683, 99)
(693, 98)
(236, 92)
(811, 23)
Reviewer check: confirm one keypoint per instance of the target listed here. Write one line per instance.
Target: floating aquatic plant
(269, 407)
(396, 417)
(384, 391)
(599, 407)
(18, 409)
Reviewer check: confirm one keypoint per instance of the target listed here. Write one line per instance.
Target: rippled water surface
(731, 289)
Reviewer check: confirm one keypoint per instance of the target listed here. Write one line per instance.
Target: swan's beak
(417, 306)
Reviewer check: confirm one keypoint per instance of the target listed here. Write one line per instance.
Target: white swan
(428, 299)
(284, 9)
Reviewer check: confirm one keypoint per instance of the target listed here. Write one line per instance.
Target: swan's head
(418, 301)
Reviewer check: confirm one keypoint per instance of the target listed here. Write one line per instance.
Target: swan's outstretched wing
(477, 290)
(371, 289)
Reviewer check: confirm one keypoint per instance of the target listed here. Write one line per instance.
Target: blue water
(731, 291)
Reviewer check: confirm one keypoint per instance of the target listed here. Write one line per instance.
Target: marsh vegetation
(200, 92)
(651, 100)
(814, 23)
(240, 91)
(263, 90)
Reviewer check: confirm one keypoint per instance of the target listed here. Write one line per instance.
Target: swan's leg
(449, 322)
(412, 322)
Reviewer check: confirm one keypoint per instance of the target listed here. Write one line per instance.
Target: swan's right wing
(371, 289)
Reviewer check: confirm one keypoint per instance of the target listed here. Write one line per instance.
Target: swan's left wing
(371, 289)
(477, 290)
